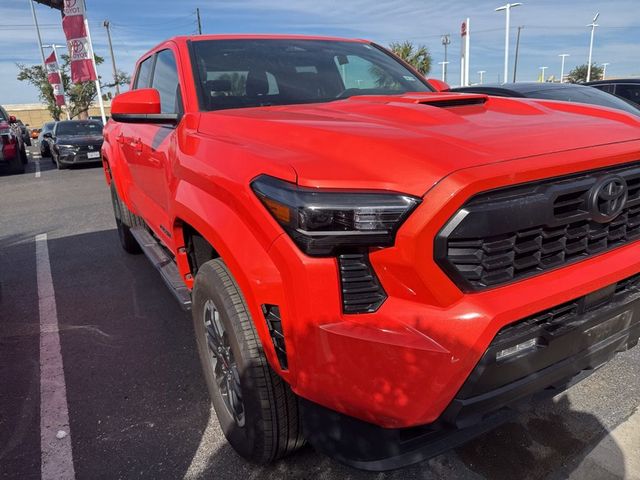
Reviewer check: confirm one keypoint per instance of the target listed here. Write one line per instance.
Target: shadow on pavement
(139, 406)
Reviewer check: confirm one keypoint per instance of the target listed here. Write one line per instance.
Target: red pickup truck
(373, 266)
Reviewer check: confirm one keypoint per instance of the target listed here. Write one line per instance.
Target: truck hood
(408, 143)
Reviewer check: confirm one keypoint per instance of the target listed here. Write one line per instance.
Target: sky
(551, 27)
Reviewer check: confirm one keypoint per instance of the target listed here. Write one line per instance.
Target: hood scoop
(441, 100)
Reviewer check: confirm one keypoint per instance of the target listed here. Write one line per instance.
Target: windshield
(78, 128)
(261, 72)
(585, 95)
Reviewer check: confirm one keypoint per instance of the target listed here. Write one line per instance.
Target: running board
(163, 262)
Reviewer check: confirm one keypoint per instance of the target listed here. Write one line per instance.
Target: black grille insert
(361, 289)
(504, 235)
(274, 323)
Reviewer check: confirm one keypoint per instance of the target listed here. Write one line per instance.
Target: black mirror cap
(157, 118)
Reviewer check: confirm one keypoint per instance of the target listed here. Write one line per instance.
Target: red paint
(403, 364)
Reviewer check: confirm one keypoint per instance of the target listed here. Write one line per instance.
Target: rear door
(154, 147)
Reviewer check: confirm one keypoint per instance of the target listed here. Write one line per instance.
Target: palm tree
(417, 56)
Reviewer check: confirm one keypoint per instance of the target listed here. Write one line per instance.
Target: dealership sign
(53, 75)
(80, 51)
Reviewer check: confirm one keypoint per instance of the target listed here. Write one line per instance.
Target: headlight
(67, 148)
(322, 221)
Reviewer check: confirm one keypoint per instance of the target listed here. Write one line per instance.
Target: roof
(615, 80)
(261, 36)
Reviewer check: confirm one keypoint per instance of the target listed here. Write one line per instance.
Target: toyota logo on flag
(77, 47)
(73, 7)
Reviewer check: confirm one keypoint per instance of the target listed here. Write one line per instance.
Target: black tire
(124, 221)
(270, 426)
(23, 155)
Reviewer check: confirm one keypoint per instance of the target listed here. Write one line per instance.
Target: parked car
(14, 153)
(373, 266)
(74, 142)
(567, 92)
(24, 133)
(627, 88)
(44, 139)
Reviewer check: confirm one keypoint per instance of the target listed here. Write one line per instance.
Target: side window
(605, 87)
(144, 73)
(629, 91)
(165, 80)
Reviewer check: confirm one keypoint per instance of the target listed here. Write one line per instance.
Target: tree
(579, 74)
(419, 57)
(79, 96)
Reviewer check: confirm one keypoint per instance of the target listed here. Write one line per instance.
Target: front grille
(505, 235)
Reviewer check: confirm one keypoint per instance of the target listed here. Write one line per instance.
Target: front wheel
(257, 410)
(124, 221)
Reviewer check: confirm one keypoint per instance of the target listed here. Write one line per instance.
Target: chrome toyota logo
(607, 198)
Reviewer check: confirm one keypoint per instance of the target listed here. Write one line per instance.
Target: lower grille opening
(274, 323)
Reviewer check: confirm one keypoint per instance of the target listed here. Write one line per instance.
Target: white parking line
(55, 437)
(37, 168)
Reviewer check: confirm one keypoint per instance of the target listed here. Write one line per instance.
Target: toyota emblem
(607, 198)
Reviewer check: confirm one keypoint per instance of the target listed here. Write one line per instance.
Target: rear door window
(144, 73)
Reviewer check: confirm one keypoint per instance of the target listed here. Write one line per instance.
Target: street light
(563, 56)
(543, 70)
(593, 26)
(604, 70)
(507, 9)
(444, 70)
(481, 73)
(446, 40)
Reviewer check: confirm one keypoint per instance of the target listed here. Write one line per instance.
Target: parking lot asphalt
(137, 405)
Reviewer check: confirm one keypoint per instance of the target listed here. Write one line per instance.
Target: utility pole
(507, 9)
(199, 21)
(543, 70)
(515, 63)
(593, 26)
(481, 73)
(107, 25)
(563, 56)
(446, 40)
(604, 70)
(35, 22)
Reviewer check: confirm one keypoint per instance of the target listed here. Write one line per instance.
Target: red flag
(80, 50)
(53, 75)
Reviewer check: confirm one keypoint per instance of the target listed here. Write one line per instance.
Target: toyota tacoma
(372, 266)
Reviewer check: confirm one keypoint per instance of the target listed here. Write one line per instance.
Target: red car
(373, 266)
(13, 153)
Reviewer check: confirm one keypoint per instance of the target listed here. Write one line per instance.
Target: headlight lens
(67, 148)
(322, 221)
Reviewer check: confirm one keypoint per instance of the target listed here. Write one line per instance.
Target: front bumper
(573, 340)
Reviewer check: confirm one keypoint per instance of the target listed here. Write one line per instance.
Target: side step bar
(163, 262)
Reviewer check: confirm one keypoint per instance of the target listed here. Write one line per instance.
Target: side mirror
(12, 119)
(439, 85)
(140, 106)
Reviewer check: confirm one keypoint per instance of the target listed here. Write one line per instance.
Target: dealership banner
(80, 50)
(53, 75)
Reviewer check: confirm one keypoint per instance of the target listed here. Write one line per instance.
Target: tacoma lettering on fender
(372, 266)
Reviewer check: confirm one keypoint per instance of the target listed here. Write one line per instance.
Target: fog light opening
(517, 349)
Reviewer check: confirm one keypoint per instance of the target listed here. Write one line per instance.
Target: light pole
(481, 73)
(543, 70)
(444, 70)
(593, 26)
(507, 9)
(446, 40)
(563, 56)
(604, 70)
